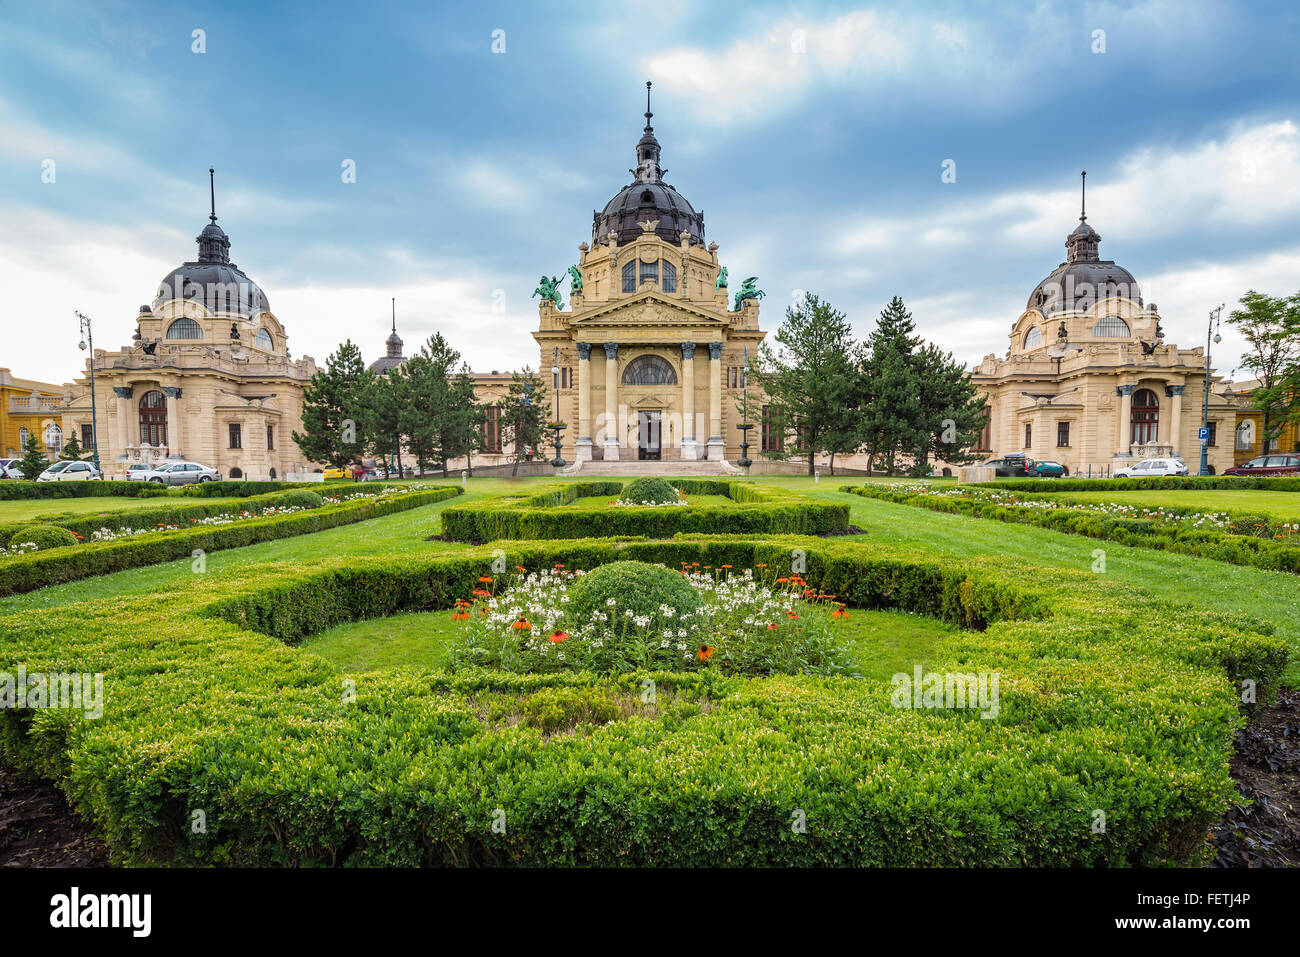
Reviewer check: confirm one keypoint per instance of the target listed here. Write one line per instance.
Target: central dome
(647, 199)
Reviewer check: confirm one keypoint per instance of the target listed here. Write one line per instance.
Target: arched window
(272, 473)
(650, 271)
(54, 438)
(153, 419)
(23, 436)
(1246, 435)
(1145, 418)
(629, 277)
(1111, 327)
(235, 473)
(670, 277)
(263, 340)
(649, 370)
(185, 329)
(647, 198)
(1034, 337)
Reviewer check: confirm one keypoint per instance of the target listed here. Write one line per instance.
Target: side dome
(648, 198)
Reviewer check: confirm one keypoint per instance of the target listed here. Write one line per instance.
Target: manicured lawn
(600, 501)
(885, 642)
(18, 509)
(1282, 506)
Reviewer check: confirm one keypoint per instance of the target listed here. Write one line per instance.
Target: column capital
(584, 350)
(611, 350)
(715, 350)
(172, 391)
(688, 350)
(122, 391)
(1172, 390)
(1125, 389)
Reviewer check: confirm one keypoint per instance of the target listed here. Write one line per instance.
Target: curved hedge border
(766, 510)
(1110, 699)
(1272, 484)
(1137, 532)
(33, 570)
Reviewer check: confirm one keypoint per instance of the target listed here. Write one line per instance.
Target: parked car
(1275, 464)
(1049, 469)
(9, 469)
(69, 471)
(136, 472)
(181, 473)
(1150, 468)
(1011, 465)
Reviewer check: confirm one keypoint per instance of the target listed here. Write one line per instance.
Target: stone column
(689, 450)
(175, 435)
(1125, 392)
(583, 453)
(1174, 433)
(123, 393)
(612, 432)
(716, 446)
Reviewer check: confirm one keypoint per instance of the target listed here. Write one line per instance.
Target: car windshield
(57, 467)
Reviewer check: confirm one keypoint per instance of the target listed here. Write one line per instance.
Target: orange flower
(480, 593)
(559, 564)
(459, 615)
(521, 569)
(705, 652)
(485, 578)
(773, 627)
(559, 636)
(782, 581)
(522, 625)
(790, 614)
(840, 613)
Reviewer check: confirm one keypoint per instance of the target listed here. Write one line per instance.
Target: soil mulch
(1266, 767)
(38, 829)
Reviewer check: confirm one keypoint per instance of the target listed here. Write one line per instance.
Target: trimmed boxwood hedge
(1138, 532)
(765, 510)
(22, 488)
(1109, 699)
(1280, 483)
(33, 570)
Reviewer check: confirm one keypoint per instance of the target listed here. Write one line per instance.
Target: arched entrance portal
(153, 419)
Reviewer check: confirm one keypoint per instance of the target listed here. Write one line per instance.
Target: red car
(1268, 465)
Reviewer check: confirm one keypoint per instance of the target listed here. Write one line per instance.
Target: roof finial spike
(394, 313)
(648, 114)
(212, 192)
(1083, 196)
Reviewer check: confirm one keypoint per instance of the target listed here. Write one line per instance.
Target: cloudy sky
(813, 136)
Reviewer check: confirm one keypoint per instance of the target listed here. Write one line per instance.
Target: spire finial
(1083, 196)
(648, 114)
(394, 313)
(212, 192)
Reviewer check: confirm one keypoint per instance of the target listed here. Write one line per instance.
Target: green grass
(1282, 506)
(600, 501)
(884, 642)
(16, 510)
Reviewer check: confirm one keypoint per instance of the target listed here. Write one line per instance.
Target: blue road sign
(1202, 434)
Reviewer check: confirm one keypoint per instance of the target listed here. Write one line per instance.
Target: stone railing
(34, 404)
(1153, 450)
(148, 454)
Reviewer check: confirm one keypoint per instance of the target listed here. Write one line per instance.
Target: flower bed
(756, 510)
(1111, 700)
(25, 572)
(1236, 539)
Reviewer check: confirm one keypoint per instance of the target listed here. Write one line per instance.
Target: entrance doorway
(648, 443)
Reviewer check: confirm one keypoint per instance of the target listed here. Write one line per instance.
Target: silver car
(180, 473)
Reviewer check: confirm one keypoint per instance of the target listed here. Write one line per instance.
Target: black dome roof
(648, 198)
(1083, 278)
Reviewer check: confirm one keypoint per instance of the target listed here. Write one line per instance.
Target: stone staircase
(635, 467)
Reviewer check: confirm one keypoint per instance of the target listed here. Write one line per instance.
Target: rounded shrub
(296, 498)
(42, 536)
(649, 491)
(151, 490)
(638, 587)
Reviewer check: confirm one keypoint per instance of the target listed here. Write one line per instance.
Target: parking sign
(1202, 434)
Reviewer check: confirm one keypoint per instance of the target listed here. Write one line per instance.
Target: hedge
(27, 572)
(755, 510)
(1110, 700)
(22, 488)
(1269, 483)
(1136, 532)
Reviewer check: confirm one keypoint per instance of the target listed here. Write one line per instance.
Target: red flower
(559, 636)
(705, 652)
(773, 627)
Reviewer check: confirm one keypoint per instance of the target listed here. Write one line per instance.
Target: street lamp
(558, 462)
(88, 342)
(1211, 331)
(744, 461)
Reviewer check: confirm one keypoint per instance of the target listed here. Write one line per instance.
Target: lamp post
(744, 461)
(1211, 331)
(88, 342)
(558, 462)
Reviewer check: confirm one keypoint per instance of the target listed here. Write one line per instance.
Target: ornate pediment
(650, 309)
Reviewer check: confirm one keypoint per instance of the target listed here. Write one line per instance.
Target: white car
(69, 471)
(1152, 468)
(9, 469)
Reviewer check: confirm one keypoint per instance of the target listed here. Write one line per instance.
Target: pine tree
(34, 460)
(808, 376)
(891, 421)
(72, 450)
(389, 396)
(336, 408)
(523, 413)
(462, 423)
(428, 415)
(953, 413)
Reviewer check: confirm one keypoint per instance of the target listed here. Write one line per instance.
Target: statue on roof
(722, 279)
(575, 276)
(748, 290)
(548, 289)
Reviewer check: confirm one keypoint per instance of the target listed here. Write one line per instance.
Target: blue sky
(813, 136)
